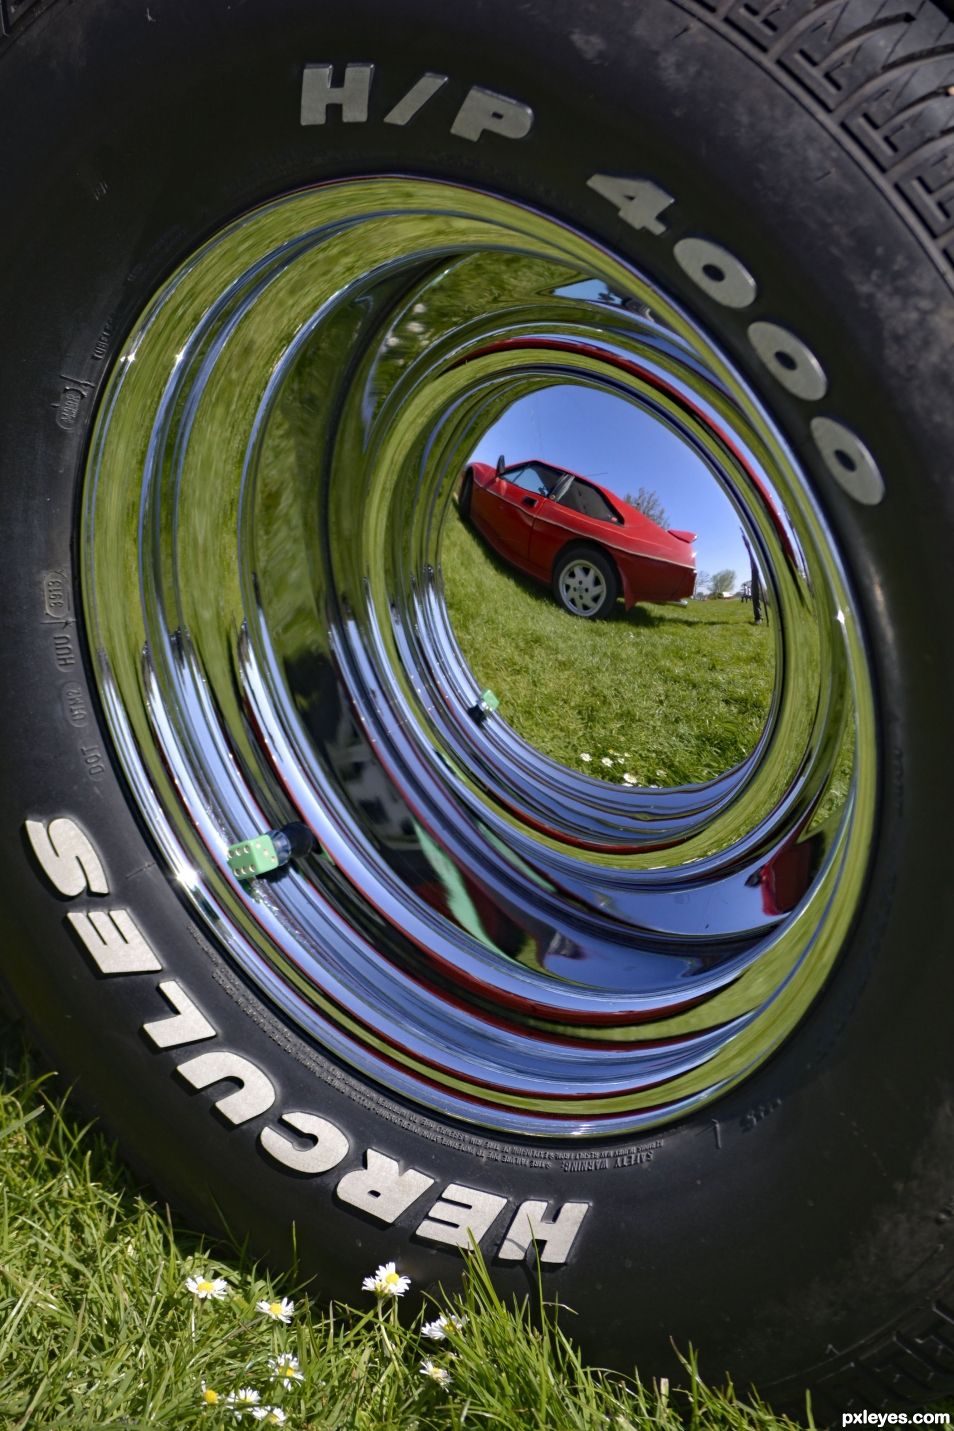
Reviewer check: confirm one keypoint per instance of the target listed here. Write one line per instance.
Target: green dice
(250, 858)
(488, 701)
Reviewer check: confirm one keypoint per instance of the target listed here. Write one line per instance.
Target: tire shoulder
(881, 77)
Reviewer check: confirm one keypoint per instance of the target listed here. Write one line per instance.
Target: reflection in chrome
(485, 932)
(582, 587)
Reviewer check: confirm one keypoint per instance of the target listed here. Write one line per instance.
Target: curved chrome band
(482, 931)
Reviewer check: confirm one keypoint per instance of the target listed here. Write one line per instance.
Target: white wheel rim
(583, 588)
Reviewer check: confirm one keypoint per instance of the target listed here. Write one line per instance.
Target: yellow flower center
(275, 1308)
(209, 1396)
(203, 1285)
(390, 1278)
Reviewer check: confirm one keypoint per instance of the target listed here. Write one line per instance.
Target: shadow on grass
(644, 618)
(506, 570)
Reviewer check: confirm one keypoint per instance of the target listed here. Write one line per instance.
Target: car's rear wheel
(633, 1030)
(585, 583)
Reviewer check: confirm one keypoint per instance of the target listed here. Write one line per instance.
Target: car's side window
(529, 479)
(581, 497)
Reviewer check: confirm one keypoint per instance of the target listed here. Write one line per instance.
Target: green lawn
(666, 694)
(98, 1328)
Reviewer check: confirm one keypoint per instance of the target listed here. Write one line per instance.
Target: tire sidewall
(730, 1222)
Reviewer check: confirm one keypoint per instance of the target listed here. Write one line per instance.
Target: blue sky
(623, 448)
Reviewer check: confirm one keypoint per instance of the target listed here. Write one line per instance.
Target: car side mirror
(501, 464)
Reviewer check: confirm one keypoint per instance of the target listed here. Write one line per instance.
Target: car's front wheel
(585, 582)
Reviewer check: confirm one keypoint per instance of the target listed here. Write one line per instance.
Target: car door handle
(529, 501)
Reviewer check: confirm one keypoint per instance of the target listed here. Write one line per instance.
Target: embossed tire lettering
(689, 1034)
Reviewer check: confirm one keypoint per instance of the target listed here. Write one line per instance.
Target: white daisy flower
(435, 1372)
(269, 1415)
(284, 1368)
(207, 1287)
(437, 1330)
(605, 760)
(282, 1311)
(630, 779)
(209, 1397)
(584, 756)
(386, 1282)
(242, 1400)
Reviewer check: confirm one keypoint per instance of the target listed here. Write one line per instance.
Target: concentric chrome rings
(480, 931)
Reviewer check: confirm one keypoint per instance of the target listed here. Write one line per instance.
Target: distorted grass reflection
(664, 694)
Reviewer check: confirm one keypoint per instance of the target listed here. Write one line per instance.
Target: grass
(666, 694)
(97, 1327)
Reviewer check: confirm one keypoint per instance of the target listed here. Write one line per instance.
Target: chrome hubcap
(480, 930)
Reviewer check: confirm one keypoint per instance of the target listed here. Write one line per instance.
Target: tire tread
(16, 15)
(881, 72)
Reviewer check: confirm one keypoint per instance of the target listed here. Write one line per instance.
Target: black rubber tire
(593, 557)
(801, 1233)
(466, 495)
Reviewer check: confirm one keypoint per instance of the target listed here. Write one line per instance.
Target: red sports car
(586, 543)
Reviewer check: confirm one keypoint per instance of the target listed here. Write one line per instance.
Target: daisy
(284, 1368)
(605, 760)
(282, 1311)
(270, 1415)
(437, 1330)
(209, 1397)
(386, 1282)
(584, 756)
(630, 779)
(208, 1287)
(435, 1372)
(245, 1399)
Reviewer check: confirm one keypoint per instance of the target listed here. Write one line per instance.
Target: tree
(722, 582)
(702, 580)
(649, 504)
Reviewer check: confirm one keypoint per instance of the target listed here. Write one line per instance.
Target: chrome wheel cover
(485, 933)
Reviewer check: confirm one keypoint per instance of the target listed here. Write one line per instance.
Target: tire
(769, 183)
(585, 583)
(466, 495)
